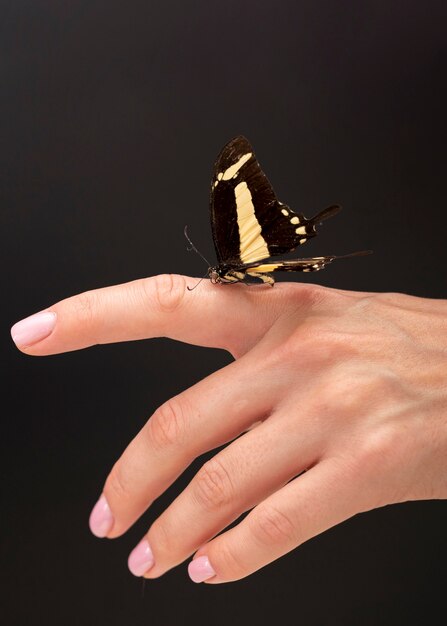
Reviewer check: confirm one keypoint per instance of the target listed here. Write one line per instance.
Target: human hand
(347, 392)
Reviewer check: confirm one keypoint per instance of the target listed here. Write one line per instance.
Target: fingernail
(141, 558)
(33, 329)
(101, 518)
(200, 569)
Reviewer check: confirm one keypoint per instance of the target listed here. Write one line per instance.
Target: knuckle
(317, 346)
(228, 562)
(271, 526)
(377, 460)
(86, 307)
(366, 389)
(118, 485)
(213, 488)
(388, 298)
(382, 447)
(308, 296)
(168, 290)
(345, 393)
(331, 346)
(167, 426)
(338, 396)
(165, 541)
(348, 390)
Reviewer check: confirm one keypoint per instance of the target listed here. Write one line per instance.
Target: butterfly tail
(351, 254)
(329, 211)
(309, 227)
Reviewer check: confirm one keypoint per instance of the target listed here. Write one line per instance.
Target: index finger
(227, 317)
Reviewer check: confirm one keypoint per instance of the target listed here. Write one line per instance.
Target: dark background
(111, 116)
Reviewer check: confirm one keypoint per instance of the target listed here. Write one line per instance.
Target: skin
(335, 404)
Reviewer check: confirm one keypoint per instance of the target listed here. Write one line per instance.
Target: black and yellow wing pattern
(250, 224)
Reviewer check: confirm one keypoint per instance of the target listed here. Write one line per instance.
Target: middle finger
(236, 479)
(209, 414)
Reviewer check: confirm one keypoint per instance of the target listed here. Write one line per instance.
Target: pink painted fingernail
(200, 569)
(141, 558)
(33, 329)
(101, 518)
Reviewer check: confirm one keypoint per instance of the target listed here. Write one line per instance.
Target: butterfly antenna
(197, 284)
(193, 248)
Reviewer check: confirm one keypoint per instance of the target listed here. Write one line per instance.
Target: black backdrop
(111, 116)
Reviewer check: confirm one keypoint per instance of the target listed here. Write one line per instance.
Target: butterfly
(250, 225)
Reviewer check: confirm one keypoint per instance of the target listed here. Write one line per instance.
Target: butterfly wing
(312, 264)
(248, 222)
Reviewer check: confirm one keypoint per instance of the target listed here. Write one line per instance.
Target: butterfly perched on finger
(250, 225)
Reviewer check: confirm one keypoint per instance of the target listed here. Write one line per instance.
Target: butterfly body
(250, 225)
(234, 273)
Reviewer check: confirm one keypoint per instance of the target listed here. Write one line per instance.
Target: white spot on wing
(295, 220)
(301, 230)
(284, 212)
(234, 169)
